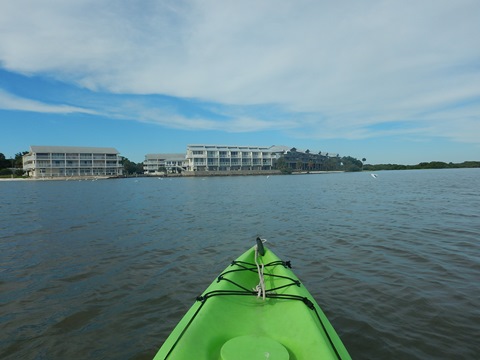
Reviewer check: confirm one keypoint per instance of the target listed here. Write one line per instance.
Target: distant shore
(63, 178)
(184, 174)
(13, 179)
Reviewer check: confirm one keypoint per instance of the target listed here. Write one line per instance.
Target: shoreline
(189, 174)
(75, 178)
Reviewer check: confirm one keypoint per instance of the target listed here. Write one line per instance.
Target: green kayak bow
(256, 309)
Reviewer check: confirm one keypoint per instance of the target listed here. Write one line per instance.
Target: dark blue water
(105, 269)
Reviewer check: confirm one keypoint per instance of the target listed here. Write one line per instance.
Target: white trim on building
(157, 164)
(69, 161)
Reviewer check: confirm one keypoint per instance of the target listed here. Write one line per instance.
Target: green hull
(229, 321)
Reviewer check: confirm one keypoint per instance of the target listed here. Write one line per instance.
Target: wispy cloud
(329, 69)
(194, 115)
(11, 102)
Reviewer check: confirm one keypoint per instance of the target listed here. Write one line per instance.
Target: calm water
(105, 269)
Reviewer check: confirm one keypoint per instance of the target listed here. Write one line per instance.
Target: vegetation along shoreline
(294, 162)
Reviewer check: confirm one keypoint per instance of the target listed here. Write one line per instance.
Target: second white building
(231, 158)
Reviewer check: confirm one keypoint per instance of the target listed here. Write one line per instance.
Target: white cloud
(11, 102)
(228, 119)
(342, 66)
(461, 124)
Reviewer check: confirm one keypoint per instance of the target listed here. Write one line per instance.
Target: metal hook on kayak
(260, 247)
(260, 250)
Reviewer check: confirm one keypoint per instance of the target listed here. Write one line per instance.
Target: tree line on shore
(292, 161)
(12, 166)
(423, 165)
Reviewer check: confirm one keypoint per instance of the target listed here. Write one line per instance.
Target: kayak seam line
(185, 329)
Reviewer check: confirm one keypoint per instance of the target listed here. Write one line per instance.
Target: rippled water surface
(105, 269)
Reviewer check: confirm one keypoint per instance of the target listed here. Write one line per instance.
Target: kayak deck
(229, 321)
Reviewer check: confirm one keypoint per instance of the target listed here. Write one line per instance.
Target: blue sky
(391, 81)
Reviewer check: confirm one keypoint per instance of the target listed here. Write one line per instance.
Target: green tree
(5, 171)
(351, 164)
(19, 159)
(129, 167)
(139, 168)
(281, 165)
(333, 164)
(4, 163)
(310, 165)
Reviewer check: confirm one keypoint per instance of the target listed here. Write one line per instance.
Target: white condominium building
(66, 161)
(156, 164)
(230, 158)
